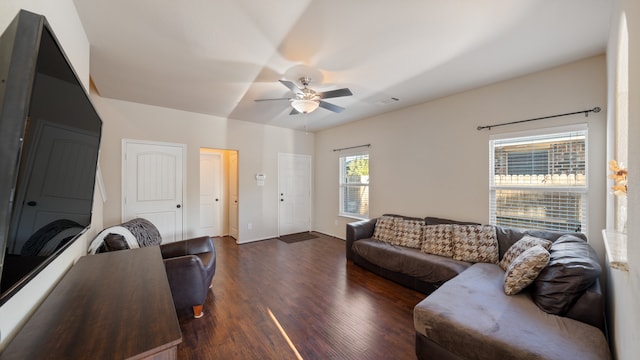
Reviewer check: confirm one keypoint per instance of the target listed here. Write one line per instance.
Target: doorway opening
(218, 192)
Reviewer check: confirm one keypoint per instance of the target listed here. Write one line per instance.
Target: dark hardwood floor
(328, 308)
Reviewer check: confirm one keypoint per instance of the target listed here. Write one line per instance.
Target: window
(354, 185)
(539, 181)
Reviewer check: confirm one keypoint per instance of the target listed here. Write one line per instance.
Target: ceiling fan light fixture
(305, 106)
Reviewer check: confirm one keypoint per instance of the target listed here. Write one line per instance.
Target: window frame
(540, 190)
(342, 184)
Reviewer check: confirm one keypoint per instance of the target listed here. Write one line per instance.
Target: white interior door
(233, 194)
(294, 193)
(153, 185)
(210, 193)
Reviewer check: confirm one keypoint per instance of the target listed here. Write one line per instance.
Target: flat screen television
(49, 142)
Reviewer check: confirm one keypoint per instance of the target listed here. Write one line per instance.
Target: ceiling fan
(307, 100)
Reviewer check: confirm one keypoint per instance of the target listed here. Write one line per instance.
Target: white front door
(153, 185)
(210, 192)
(233, 194)
(294, 193)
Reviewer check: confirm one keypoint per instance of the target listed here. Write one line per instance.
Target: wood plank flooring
(327, 307)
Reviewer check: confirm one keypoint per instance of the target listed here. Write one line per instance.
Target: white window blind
(539, 181)
(354, 185)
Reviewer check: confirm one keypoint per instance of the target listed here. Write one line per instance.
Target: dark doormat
(292, 238)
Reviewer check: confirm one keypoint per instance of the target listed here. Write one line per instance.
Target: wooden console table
(115, 305)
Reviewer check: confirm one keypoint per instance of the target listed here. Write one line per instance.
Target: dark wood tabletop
(114, 305)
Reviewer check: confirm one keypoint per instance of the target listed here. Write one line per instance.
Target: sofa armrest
(187, 280)
(359, 230)
(193, 246)
(589, 307)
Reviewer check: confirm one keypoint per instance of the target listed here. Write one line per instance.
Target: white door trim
(123, 180)
(234, 205)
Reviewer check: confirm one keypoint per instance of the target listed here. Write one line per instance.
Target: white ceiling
(217, 56)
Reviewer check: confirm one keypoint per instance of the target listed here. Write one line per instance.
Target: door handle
(281, 199)
(178, 206)
(216, 199)
(32, 203)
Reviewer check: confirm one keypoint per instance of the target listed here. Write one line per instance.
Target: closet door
(153, 186)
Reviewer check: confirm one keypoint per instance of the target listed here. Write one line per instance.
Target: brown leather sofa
(467, 315)
(190, 266)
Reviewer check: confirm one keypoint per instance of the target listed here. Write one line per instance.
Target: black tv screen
(49, 142)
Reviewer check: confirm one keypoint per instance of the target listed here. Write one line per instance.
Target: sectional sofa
(493, 292)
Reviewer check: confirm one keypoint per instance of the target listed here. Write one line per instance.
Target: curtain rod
(585, 112)
(352, 147)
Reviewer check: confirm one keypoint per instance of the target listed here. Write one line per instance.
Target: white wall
(624, 287)
(257, 145)
(63, 18)
(430, 160)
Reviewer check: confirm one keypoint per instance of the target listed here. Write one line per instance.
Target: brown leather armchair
(190, 266)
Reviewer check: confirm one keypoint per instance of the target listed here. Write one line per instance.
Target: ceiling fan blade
(292, 87)
(294, 112)
(334, 93)
(272, 99)
(328, 106)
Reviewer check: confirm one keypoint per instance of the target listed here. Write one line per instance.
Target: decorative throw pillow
(520, 246)
(438, 240)
(385, 229)
(409, 232)
(524, 269)
(115, 242)
(475, 243)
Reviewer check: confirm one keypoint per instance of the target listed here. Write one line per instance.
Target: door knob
(32, 203)
(281, 199)
(178, 206)
(216, 199)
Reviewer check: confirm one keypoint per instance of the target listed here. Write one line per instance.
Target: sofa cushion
(438, 240)
(385, 229)
(424, 267)
(430, 220)
(573, 267)
(409, 232)
(507, 236)
(475, 243)
(524, 269)
(521, 246)
(471, 317)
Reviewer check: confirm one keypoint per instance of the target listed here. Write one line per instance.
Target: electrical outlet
(249, 226)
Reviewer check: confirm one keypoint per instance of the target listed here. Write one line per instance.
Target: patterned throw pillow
(409, 233)
(525, 269)
(385, 229)
(438, 240)
(521, 246)
(475, 243)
